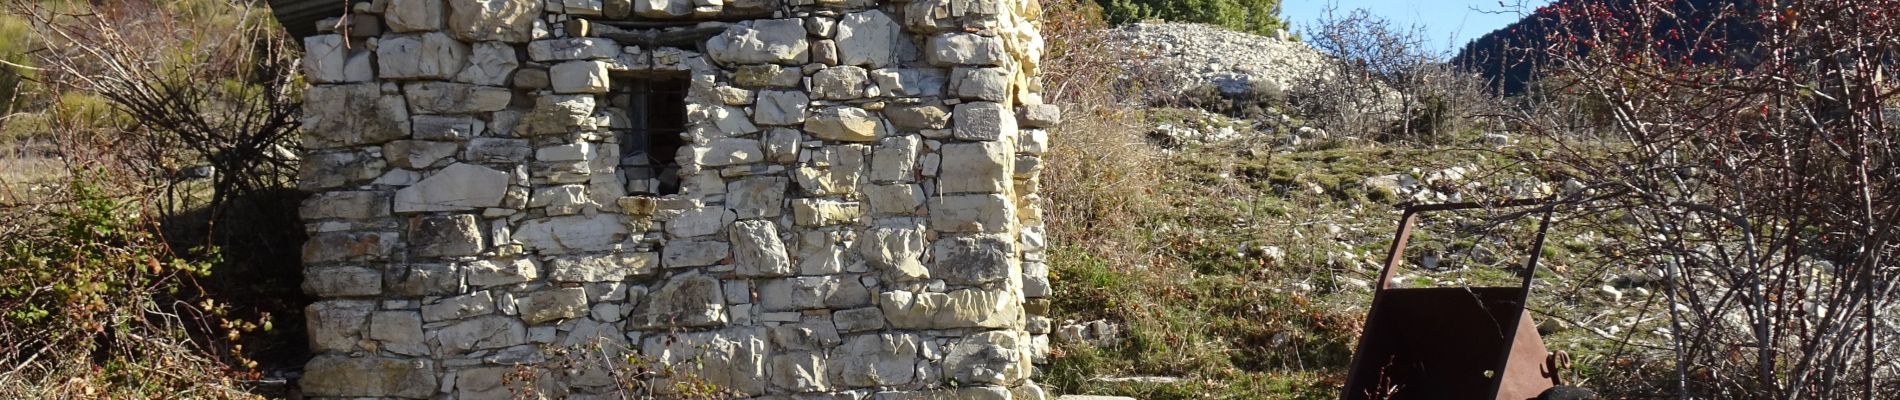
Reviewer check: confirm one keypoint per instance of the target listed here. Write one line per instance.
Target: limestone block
(730, 121)
(958, 48)
(1026, 168)
(895, 159)
(699, 221)
(399, 332)
(840, 83)
(458, 307)
(497, 151)
(730, 359)
(616, 9)
(984, 121)
(981, 167)
(552, 304)
(454, 98)
(811, 333)
(812, 292)
(684, 253)
(352, 115)
(582, 7)
(499, 272)
(768, 75)
(530, 78)
(663, 8)
(781, 145)
(344, 376)
(485, 383)
(572, 50)
(769, 41)
(417, 154)
(414, 280)
(413, 15)
(757, 250)
(560, 200)
(757, 197)
(893, 199)
(910, 82)
(509, 21)
(813, 213)
(490, 332)
(1033, 141)
(332, 59)
(431, 55)
(986, 84)
(833, 170)
(556, 114)
(845, 123)
(489, 63)
(995, 357)
(962, 308)
(1040, 116)
(611, 267)
(973, 260)
(686, 300)
(896, 251)
(346, 205)
(918, 117)
(869, 39)
(821, 26)
(444, 236)
(707, 8)
(876, 360)
(571, 233)
(778, 107)
(336, 325)
(985, 213)
(349, 246)
(858, 319)
(446, 128)
(802, 372)
(729, 151)
(579, 77)
(820, 253)
(456, 187)
(824, 52)
(581, 151)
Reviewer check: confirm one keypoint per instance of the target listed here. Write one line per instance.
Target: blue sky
(1450, 23)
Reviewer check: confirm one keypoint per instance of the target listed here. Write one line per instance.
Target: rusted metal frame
(1396, 254)
(1523, 300)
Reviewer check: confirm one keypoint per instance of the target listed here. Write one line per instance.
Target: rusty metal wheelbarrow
(1451, 343)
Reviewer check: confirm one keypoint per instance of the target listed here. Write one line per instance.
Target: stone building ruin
(785, 198)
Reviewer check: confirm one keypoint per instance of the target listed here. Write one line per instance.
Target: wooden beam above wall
(649, 34)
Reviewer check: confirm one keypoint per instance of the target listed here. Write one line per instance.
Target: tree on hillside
(1252, 16)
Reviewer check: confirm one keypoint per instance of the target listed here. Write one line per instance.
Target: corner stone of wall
(857, 218)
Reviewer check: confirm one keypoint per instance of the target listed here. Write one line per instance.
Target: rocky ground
(1200, 54)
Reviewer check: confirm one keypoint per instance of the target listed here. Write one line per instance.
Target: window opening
(656, 111)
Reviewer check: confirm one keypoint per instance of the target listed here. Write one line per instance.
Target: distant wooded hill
(1509, 57)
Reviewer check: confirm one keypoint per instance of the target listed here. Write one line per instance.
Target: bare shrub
(1387, 84)
(165, 120)
(1753, 179)
(1097, 174)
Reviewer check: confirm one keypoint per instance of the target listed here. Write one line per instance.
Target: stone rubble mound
(1201, 54)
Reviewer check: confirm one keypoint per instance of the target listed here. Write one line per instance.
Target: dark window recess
(656, 113)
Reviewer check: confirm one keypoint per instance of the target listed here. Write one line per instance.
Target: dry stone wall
(856, 216)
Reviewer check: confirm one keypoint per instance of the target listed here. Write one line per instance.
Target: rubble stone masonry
(852, 211)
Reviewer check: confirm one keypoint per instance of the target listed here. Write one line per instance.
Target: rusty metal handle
(1397, 252)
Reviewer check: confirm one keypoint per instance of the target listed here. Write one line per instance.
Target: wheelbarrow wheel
(1567, 393)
